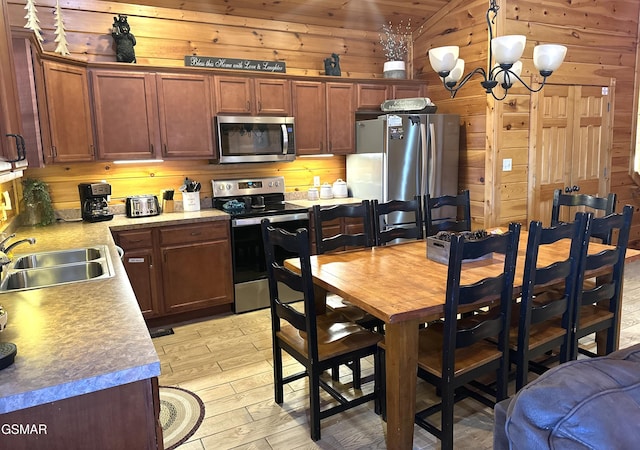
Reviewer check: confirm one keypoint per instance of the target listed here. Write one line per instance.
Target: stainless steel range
(249, 201)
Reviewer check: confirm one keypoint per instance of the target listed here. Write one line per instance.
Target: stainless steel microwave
(255, 139)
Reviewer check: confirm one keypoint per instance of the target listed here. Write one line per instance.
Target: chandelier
(507, 51)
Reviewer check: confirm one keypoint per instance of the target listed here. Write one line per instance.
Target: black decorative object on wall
(125, 41)
(332, 65)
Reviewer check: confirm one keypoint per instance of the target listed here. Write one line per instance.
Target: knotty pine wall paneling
(164, 36)
(132, 179)
(602, 40)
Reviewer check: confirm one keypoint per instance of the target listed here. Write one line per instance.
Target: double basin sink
(44, 269)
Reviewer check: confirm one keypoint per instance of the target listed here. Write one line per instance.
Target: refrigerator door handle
(423, 159)
(433, 164)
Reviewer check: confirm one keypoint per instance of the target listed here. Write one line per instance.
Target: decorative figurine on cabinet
(332, 65)
(125, 41)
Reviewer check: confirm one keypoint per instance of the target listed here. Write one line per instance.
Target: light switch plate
(316, 181)
(506, 165)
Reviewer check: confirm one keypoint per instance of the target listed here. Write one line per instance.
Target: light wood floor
(227, 362)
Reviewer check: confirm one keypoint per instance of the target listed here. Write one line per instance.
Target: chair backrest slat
(447, 213)
(498, 290)
(322, 215)
(386, 217)
(590, 203)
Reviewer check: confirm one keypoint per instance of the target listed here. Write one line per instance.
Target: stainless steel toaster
(142, 206)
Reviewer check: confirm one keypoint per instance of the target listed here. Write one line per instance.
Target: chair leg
(335, 373)
(314, 403)
(378, 367)
(277, 374)
(357, 371)
(448, 401)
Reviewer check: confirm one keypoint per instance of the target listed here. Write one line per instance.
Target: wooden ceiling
(367, 15)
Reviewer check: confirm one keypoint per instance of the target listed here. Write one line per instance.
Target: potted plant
(37, 208)
(395, 43)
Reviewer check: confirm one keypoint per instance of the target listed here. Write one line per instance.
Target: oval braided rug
(181, 413)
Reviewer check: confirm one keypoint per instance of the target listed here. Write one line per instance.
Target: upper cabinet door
(10, 121)
(69, 113)
(370, 96)
(233, 95)
(272, 96)
(341, 99)
(309, 109)
(409, 91)
(185, 110)
(125, 105)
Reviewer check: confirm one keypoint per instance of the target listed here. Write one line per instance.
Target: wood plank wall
(132, 179)
(165, 36)
(461, 23)
(602, 40)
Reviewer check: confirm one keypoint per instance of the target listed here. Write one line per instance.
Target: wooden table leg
(401, 341)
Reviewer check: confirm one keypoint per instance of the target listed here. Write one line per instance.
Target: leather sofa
(585, 404)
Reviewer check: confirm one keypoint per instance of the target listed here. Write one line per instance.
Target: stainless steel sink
(48, 259)
(45, 269)
(50, 276)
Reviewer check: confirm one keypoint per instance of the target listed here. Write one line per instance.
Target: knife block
(167, 206)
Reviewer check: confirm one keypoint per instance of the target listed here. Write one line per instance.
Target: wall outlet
(506, 165)
(316, 181)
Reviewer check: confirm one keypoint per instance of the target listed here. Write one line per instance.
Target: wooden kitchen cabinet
(341, 98)
(10, 119)
(369, 96)
(309, 110)
(179, 269)
(185, 105)
(125, 106)
(143, 115)
(196, 266)
(69, 113)
(408, 91)
(139, 263)
(241, 95)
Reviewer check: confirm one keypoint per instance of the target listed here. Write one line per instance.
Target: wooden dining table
(401, 286)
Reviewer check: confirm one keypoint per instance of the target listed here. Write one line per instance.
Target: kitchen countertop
(324, 202)
(80, 337)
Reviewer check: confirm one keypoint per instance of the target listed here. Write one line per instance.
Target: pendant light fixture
(507, 51)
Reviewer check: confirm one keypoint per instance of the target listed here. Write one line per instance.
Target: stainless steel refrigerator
(399, 156)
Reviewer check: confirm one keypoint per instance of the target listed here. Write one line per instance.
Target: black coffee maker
(93, 201)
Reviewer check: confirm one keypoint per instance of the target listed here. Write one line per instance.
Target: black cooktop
(239, 207)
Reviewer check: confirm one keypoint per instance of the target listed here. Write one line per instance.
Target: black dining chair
(397, 219)
(329, 238)
(543, 317)
(315, 341)
(587, 203)
(456, 352)
(598, 307)
(447, 213)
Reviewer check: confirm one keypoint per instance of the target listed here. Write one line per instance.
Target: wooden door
(126, 119)
(309, 109)
(341, 118)
(233, 95)
(185, 109)
(571, 147)
(272, 96)
(409, 91)
(69, 113)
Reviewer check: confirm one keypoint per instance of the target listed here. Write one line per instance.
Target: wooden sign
(256, 65)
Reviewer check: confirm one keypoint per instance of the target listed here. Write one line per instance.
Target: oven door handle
(248, 221)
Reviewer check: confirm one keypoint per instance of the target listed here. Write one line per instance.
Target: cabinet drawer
(134, 239)
(182, 234)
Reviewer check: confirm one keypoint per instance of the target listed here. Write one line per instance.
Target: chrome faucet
(16, 243)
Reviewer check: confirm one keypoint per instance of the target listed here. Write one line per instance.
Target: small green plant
(35, 194)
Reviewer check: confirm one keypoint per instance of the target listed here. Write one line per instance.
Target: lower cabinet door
(196, 276)
(142, 274)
